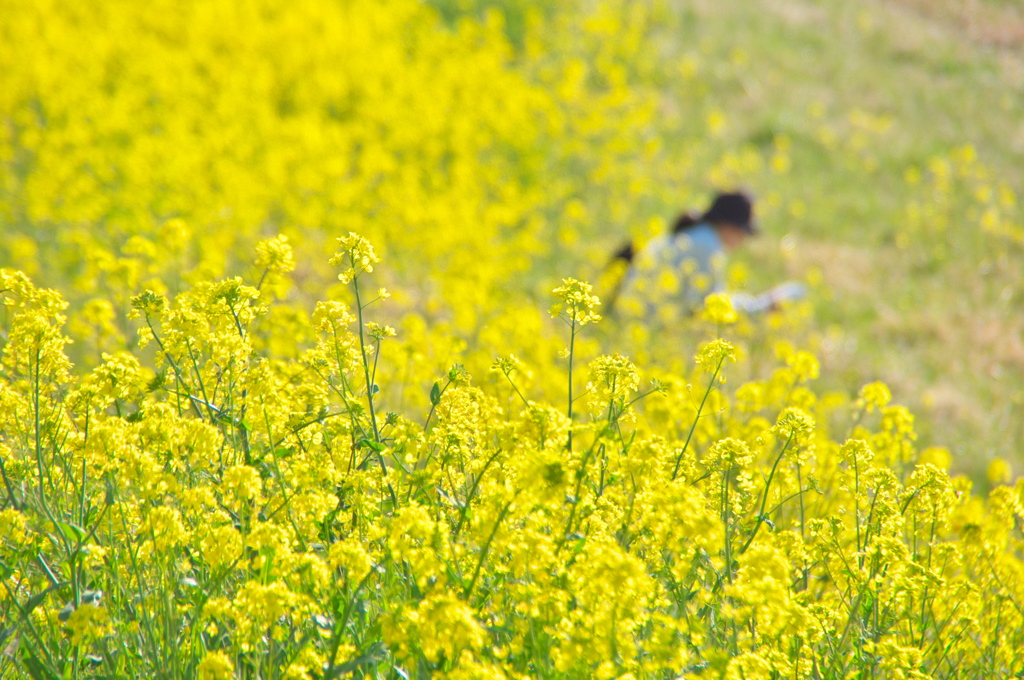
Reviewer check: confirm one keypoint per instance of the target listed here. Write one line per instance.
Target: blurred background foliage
(490, 149)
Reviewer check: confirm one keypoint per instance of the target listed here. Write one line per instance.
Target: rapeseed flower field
(306, 372)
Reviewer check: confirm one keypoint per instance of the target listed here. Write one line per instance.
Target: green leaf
(35, 667)
(578, 543)
(373, 654)
(71, 532)
(370, 444)
(451, 501)
(158, 381)
(435, 394)
(38, 598)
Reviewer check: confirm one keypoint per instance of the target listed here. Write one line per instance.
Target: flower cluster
(240, 514)
(577, 305)
(356, 255)
(213, 465)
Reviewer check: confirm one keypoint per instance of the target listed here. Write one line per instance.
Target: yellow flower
(714, 354)
(216, 666)
(165, 527)
(718, 309)
(793, 423)
(577, 304)
(727, 454)
(174, 234)
(87, 623)
(999, 472)
(875, 395)
(267, 537)
(804, 366)
(506, 364)
(13, 529)
(441, 626)
(349, 556)
(275, 255)
(749, 666)
(378, 332)
(148, 304)
(614, 376)
(332, 316)
(856, 453)
(355, 254)
(416, 539)
(241, 483)
(222, 546)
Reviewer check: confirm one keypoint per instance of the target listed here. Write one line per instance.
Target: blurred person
(672, 274)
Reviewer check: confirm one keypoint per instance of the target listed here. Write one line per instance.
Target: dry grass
(956, 359)
(992, 22)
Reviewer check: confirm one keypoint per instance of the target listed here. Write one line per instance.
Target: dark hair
(626, 252)
(688, 219)
(734, 207)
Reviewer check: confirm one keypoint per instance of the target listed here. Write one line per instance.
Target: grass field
(918, 289)
(902, 129)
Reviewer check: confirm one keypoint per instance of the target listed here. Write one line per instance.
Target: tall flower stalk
(577, 307)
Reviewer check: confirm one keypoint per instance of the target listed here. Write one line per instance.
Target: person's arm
(770, 299)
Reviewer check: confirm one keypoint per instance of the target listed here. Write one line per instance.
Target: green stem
(38, 443)
(764, 498)
(174, 365)
(369, 395)
(366, 369)
(700, 409)
(581, 478)
(472, 493)
(343, 623)
(7, 484)
(433, 405)
(509, 378)
(486, 550)
(572, 350)
(726, 475)
(199, 380)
